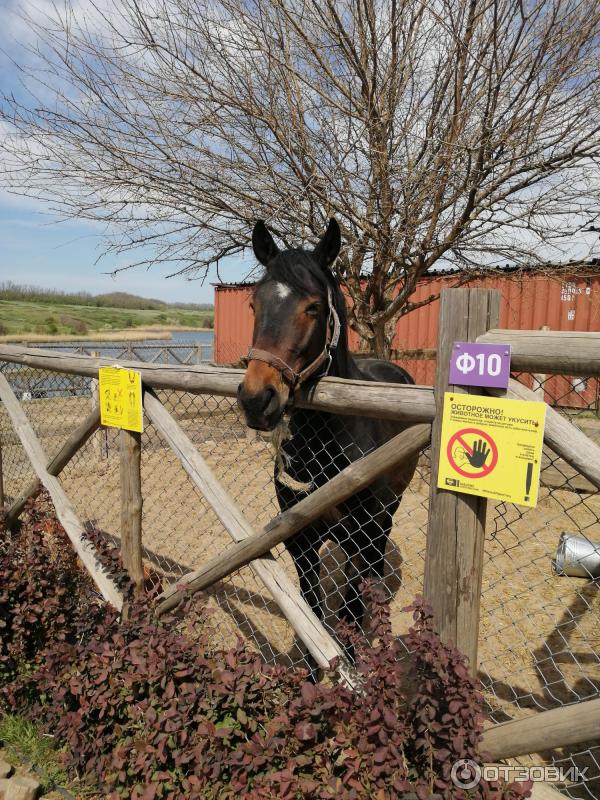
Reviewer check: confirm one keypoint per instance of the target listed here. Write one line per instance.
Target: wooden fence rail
(558, 727)
(552, 352)
(382, 400)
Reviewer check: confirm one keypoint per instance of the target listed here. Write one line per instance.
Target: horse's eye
(312, 310)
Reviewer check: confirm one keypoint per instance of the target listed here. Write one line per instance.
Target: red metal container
(233, 322)
(529, 302)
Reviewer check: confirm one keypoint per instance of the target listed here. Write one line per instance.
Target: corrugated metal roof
(592, 265)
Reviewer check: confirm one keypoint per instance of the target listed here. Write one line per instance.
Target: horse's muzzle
(262, 409)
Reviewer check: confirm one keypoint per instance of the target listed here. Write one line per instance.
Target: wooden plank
(64, 509)
(348, 482)
(456, 524)
(559, 727)
(56, 465)
(365, 398)
(555, 352)
(303, 620)
(131, 504)
(545, 791)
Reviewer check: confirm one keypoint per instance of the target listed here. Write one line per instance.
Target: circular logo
(465, 773)
(472, 453)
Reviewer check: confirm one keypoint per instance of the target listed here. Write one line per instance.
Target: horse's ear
(326, 251)
(263, 244)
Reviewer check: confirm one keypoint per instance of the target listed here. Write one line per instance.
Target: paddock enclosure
(208, 506)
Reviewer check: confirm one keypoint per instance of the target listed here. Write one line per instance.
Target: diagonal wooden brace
(56, 465)
(564, 438)
(64, 509)
(354, 478)
(303, 620)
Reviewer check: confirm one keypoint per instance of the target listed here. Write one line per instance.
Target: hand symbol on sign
(480, 452)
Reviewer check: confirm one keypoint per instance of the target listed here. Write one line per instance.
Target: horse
(300, 335)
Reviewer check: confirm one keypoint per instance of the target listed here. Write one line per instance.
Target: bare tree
(438, 132)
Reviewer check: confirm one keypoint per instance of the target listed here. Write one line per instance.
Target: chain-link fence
(540, 632)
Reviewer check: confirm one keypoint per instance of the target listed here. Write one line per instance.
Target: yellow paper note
(492, 447)
(121, 398)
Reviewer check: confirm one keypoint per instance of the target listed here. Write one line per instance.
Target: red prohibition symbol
(480, 453)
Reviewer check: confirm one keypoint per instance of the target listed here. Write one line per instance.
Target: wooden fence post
(131, 505)
(456, 526)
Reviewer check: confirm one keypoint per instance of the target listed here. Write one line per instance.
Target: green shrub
(50, 325)
(148, 712)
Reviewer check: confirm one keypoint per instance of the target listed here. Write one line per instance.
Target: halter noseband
(292, 378)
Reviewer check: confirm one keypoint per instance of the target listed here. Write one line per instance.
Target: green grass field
(20, 318)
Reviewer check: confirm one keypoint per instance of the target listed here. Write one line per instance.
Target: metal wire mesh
(540, 632)
(539, 635)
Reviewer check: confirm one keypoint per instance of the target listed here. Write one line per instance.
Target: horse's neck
(310, 424)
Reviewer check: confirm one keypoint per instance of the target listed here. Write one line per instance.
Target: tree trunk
(378, 343)
(383, 338)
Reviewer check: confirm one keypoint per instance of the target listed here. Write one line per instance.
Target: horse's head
(296, 324)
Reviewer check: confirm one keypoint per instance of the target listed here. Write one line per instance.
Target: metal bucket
(577, 557)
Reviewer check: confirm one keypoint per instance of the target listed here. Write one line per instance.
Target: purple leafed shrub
(147, 711)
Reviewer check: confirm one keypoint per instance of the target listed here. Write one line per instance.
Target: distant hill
(34, 294)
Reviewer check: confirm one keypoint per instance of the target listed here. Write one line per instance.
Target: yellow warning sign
(121, 398)
(492, 447)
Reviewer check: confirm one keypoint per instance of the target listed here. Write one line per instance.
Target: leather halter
(291, 377)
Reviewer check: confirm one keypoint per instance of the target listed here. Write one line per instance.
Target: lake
(186, 347)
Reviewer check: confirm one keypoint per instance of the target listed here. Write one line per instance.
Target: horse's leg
(365, 551)
(304, 550)
(364, 547)
(384, 521)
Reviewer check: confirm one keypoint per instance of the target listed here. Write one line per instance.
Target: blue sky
(36, 249)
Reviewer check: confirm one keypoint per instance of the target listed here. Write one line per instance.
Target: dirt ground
(539, 634)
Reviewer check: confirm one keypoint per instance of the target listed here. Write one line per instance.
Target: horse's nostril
(271, 401)
(263, 403)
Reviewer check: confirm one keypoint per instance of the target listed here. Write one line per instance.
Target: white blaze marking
(282, 290)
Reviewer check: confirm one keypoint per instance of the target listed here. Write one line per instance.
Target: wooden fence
(150, 352)
(456, 526)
